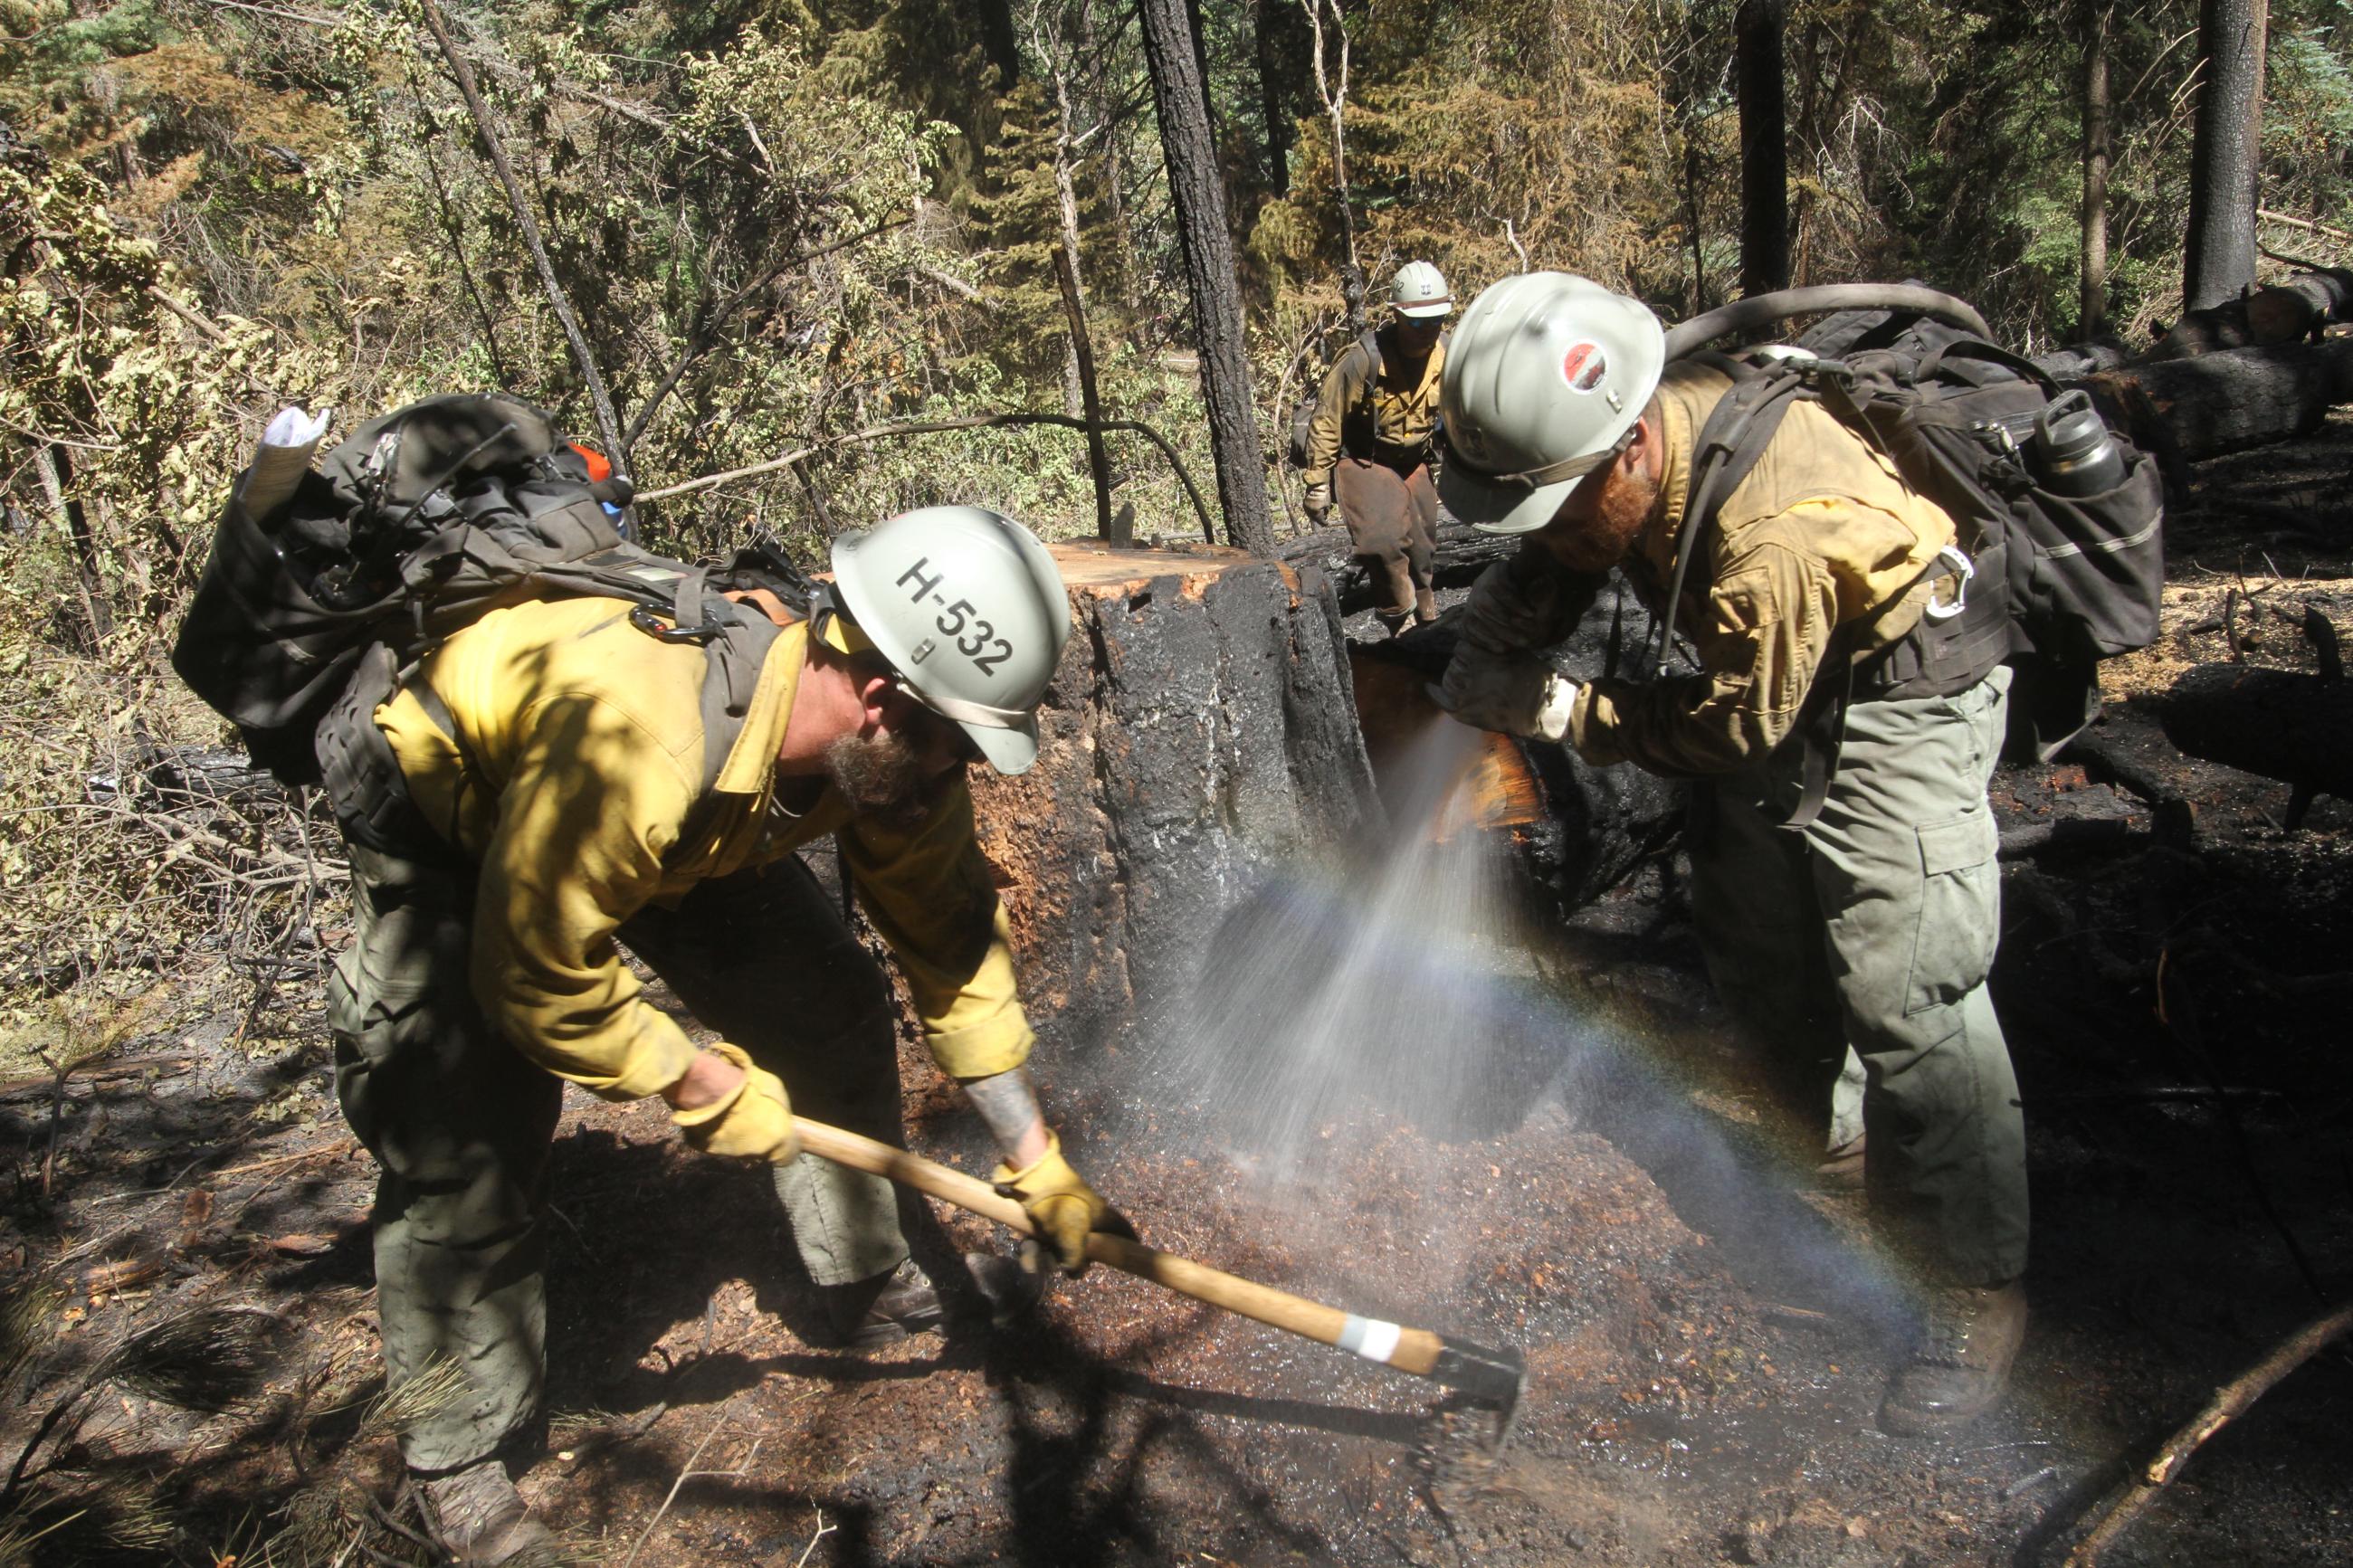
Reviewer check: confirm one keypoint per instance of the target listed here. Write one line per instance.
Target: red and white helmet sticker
(1584, 366)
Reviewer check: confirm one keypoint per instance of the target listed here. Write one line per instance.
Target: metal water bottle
(2072, 452)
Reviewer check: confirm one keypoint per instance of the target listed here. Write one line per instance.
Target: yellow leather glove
(1319, 502)
(1061, 1206)
(755, 1122)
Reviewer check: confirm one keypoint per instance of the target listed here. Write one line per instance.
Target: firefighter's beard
(1610, 529)
(884, 780)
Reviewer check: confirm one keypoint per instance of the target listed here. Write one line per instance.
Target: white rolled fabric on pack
(284, 458)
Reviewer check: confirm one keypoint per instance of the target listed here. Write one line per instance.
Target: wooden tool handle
(1407, 1350)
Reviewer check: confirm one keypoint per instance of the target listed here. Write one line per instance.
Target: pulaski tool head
(1491, 1378)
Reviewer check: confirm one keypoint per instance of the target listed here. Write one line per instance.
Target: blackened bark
(1199, 732)
(1178, 91)
(2218, 259)
(1764, 146)
(2280, 724)
(2277, 314)
(2215, 402)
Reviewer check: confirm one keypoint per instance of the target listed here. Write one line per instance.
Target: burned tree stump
(2280, 724)
(1201, 730)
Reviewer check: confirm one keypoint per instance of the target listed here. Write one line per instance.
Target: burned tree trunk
(1200, 732)
(2218, 259)
(1764, 146)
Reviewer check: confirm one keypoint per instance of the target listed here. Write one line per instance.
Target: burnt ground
(1706, 1330)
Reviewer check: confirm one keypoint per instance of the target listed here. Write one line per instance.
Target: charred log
(2280, 724)
(2269, 316)
(2211, 403)
(1463, 554)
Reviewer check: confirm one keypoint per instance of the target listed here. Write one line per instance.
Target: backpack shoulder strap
(1739, 430)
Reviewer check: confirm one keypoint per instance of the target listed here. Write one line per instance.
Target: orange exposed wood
(1394, 708)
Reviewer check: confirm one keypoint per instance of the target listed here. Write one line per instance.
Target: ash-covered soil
(1707, 1325)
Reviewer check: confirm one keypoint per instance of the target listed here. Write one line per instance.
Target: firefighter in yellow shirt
(1844, 877)
(552, 797)
(1370, 444)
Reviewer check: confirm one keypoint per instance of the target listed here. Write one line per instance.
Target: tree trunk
(2095, 312)
(1177, 92)
(1198, 733)
(2219, 403)
(1000, 41)
(1066, 270)
(1280, 32)
(2218, 259)
(1764, 146)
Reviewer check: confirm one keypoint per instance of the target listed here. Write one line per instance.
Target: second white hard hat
(970, 609)
(1546, 375)
(1418, 293)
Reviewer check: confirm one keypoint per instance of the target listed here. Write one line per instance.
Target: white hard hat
(1418, 291)
(1545, 375)
(970, 610)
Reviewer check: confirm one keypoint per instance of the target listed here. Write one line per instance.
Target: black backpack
(418, 524)
(2061, 579)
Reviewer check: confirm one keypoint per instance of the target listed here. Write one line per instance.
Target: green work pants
(1873, 927)
(460, 1122)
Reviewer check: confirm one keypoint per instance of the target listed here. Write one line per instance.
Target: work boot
(1425, 607)
(1961, 1364)
(888, 1307)
(480, 1518)
(1394, 621)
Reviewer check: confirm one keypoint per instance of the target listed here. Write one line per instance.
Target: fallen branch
(823, 1529)
(933, 426)
(690, 1474)
(2229, 1402)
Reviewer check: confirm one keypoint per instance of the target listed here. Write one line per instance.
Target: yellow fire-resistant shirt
(1823, 532)
(1404, 403)
(575, 773)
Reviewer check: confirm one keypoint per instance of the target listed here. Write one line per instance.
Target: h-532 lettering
(966, 619)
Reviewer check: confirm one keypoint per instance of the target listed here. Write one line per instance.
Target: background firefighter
(1842, 850)
(1371, 442)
